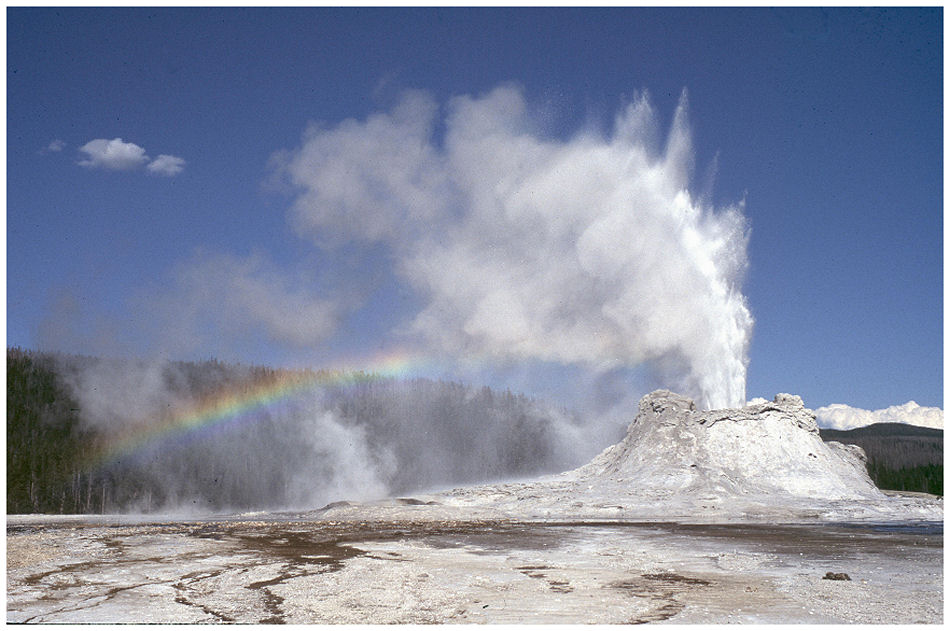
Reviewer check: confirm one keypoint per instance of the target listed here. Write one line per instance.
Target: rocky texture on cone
(769, 448)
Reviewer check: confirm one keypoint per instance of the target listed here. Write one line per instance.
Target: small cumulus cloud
(841, 416)
(115, 154)
(166, 165)
(55, 146)
(118, 155)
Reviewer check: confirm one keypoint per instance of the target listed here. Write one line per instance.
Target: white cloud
(587, 251)
(841, 416)
(166, 165)
(56, 146)
(118, 155)
(112, 154)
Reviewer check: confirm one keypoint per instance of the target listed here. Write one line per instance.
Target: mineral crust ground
(285, 568)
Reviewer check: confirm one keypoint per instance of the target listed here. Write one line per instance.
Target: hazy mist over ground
(208, 436)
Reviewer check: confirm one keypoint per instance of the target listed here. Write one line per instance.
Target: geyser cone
(765, 449)
(760, 462)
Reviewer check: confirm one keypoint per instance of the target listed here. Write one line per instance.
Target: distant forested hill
(90, 435)
(900, 457)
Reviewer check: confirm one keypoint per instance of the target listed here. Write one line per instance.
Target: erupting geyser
(525, 247)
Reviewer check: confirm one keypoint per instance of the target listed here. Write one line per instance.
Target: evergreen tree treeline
(45, 445)
(900, 457)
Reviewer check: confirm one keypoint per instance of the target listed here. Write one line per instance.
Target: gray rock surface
(770, 448)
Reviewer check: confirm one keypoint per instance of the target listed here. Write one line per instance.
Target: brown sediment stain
(34, 580)
(534, 571)
(219, 617)
(300, 548)
(561, 587)
(273, 603)
(662, 588)
(671, 578)
(493, 538)
(183, 587)
(387, 556)
(301, 552)
(108, 595)
(323, 547)
(664, 612)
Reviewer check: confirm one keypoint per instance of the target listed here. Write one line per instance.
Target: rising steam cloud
(590, 251)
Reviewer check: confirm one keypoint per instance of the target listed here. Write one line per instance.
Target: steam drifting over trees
(351, 436)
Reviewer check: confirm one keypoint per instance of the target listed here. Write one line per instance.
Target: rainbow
(244, 402)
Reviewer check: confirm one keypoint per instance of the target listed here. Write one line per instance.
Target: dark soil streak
(301, 551)
(108, 595)
(532, 571)
(664, 588)
(272, 602)
(183, 586)
(220, 617)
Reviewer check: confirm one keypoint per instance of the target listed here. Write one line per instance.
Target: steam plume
(590, 251)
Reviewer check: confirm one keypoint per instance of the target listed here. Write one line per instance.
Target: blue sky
(223, 233)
